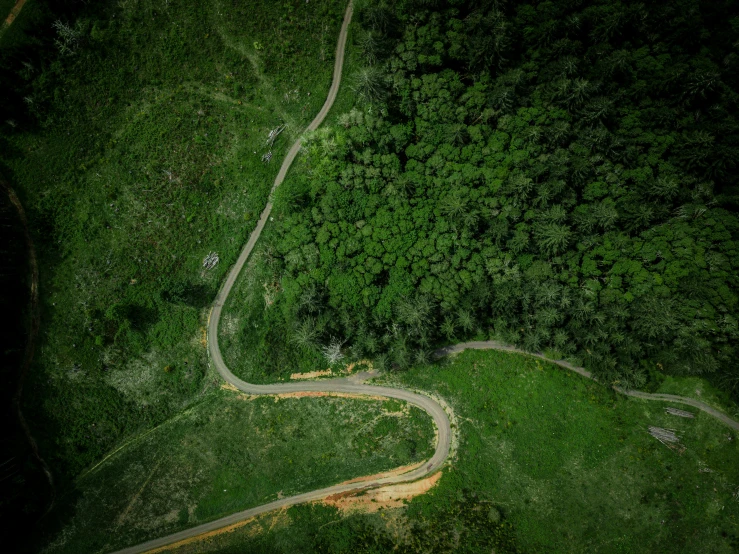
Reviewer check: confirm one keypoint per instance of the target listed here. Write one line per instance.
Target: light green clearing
(229, 453)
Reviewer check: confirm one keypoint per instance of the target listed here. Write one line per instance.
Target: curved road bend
(344, 385)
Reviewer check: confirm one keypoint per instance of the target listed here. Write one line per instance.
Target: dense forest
(558, 175)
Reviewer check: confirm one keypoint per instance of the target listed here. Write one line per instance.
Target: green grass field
(567, 465)
(574, 467)
(228, 453)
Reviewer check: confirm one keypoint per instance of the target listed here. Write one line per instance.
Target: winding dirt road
(346, 385)
(435, 410)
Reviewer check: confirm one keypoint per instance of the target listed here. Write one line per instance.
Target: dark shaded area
(27, 48)
(192, 294)
(68, 71)
(24, 491)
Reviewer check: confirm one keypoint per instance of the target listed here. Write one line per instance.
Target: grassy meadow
(230, 452)
(547, 462)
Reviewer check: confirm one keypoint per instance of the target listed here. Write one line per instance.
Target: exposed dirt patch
(367, 363)
(304, 394)
(279, 518)
(311, 374)
(384, 498)
(14, 13)
(240, 395)
(326, 372)
(301, 394)
(206, 536)
(392, 473)
(391, 496)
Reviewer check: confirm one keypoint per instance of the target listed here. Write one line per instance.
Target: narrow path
(345, 385)
(11, 17)
(35, 322)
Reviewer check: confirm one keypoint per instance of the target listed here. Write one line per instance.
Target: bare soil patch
(392, 473)
(326, 372)
(311, 374)
(304, 394)
(206, 536)
(14, 13)
(391, 496)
